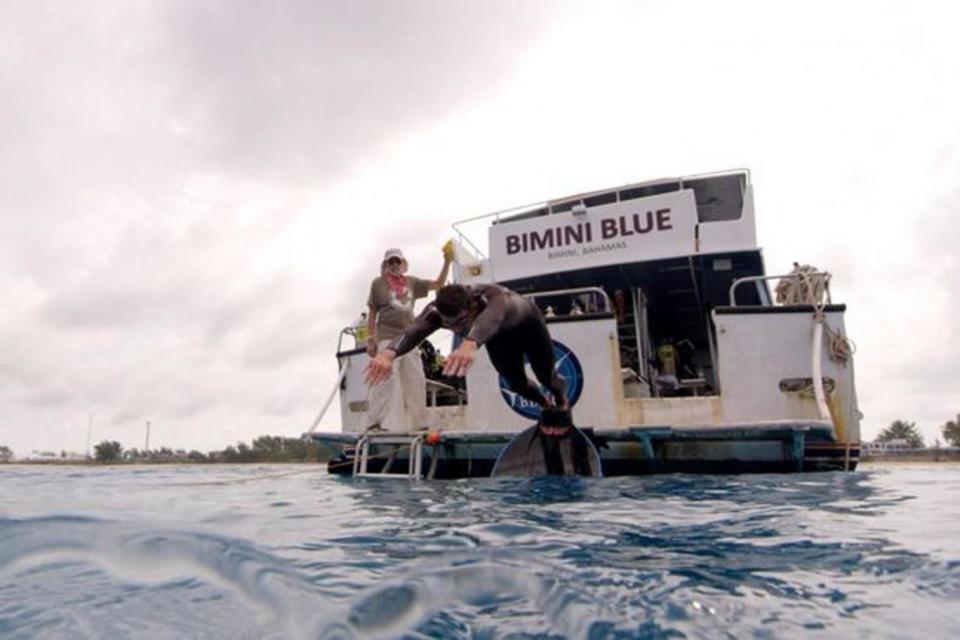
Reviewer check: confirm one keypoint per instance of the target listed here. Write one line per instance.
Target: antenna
(146, 446)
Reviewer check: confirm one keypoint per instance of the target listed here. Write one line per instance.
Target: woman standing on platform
(397, 403)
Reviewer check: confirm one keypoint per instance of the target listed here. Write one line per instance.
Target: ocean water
(255, 551)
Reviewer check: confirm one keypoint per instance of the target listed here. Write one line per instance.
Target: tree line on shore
(261, 449)
(908, 432)
(280, 449)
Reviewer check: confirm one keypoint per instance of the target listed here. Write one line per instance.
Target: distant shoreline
(909, 459)
(923, 455)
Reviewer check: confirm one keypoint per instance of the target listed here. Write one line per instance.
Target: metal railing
(435, 386)
(573, 293)
(399, 441)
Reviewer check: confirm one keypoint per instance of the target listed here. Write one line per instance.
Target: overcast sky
(195, 195)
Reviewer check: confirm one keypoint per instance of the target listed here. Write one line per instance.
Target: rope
(268, 476)
(839, 347)
(807, 285)
(804, 285)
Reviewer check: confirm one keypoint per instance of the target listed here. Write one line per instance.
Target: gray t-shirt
(395, 313)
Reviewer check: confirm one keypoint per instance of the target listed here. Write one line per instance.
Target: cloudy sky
(194, 195)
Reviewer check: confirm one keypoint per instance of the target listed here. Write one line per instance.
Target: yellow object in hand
(448, 250)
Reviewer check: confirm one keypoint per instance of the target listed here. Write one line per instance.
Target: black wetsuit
(511, 326)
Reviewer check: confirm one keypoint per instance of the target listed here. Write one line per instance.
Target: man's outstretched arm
(380, 367)
(426, 323)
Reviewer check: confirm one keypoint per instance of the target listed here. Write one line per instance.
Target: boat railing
(585, 298)
(493, 218)
(798, 278)
(346, 331)
(435, 387)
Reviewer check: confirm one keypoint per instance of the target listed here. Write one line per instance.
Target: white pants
(398, 403)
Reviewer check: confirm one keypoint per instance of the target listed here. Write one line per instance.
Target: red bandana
(398, 284)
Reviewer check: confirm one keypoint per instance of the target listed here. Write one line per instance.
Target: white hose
(326, 405)
(818, 391)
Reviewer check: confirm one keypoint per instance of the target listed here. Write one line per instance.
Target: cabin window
(535, 213)
(603, 198)
(649, 190)
(560, 207)
(718, 197)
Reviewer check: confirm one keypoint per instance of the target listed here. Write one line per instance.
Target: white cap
(393, 253)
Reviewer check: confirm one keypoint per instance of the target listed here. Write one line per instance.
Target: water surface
(253, 551)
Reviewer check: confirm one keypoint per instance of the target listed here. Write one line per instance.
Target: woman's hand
(449, 252)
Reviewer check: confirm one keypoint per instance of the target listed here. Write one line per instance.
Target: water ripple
(255, 552)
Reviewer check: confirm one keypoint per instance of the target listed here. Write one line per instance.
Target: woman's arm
(442, 278)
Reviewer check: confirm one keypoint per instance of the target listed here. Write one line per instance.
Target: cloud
(302, 90)
(195, 196)
(931, 283)
(157, 161)
(46, 397)
(296, 334)
(906, 307)
(133, 96)
(937, 233)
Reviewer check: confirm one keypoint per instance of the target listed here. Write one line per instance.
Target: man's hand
(380, 367)
(371, 347)
(461, 359)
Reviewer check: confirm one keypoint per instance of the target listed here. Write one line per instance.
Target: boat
(680, 352)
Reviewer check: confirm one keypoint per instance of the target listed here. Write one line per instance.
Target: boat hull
(756, 448)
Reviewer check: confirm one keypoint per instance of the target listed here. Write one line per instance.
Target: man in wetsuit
(510, 326)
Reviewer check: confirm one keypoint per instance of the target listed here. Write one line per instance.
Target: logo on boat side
(567, 367)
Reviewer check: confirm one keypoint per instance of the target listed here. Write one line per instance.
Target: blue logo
(565, 364)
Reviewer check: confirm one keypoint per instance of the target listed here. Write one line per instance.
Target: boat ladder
(399, 441)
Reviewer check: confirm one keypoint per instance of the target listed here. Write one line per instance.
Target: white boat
(758, 385)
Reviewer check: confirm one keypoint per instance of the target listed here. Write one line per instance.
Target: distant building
(42, 455)
(52, 456)
(893, 447)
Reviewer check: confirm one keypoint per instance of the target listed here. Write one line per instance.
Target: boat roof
(718, 195)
